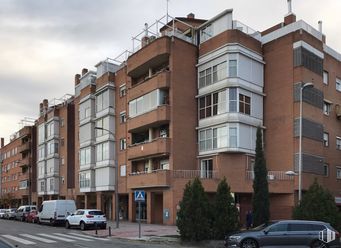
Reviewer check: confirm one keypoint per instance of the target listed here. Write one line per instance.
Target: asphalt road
(21, 234)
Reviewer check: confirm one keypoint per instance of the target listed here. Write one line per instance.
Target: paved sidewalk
(130, 230)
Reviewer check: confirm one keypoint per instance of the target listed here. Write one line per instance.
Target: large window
(52, 147)
(212, 104)
(244, 104)
(212, 74)
(84, 180)
(233, 100)
(206, 170)
(206, 33)
(102, 101)
(41, 133)
(306, 58)
(144, 104)
(232, 68)
(85, 156)
(233, 136)
(213, 138)
(50, 129)
(102, 151)
(102, 123)
(338, 143)
(51, 184)
(41, 152)
(338, 84)
(42, 186)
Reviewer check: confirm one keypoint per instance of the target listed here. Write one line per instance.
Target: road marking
(73, 237)
(89, 237)
(20, 240)
(54, 237)
(38, 238)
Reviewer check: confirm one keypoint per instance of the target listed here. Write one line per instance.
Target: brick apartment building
(186, 103)
(18, 174)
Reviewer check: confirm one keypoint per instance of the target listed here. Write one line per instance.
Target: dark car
(287, 233)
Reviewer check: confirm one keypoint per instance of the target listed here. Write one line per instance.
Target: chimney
(190, 16)
(77, 79)
(41, 107)
(145, 38)
(45, 105)
(2, 142)
(84, 70)
(320, 26)
(289, 7)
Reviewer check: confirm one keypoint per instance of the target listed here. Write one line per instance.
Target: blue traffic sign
(140, 195)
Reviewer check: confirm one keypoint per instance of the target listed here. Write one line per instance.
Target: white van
(55, 211)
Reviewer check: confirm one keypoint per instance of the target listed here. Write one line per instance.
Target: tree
(260, 198)
(318, 204)
(225, 213)
(193, 218)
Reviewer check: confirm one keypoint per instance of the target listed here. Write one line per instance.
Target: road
(22, 234)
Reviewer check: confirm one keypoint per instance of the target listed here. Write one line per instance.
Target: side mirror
(266, 231)
(72, 214)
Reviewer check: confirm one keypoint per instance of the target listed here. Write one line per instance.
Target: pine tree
(318, 204)
(225, 216)
(260, 199)
(193, 219)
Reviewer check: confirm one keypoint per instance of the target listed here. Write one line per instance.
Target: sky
(44, 43)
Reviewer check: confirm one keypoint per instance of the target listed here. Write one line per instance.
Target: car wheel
(249, 243)
(319, 244)
(67, 225)
(82, 225)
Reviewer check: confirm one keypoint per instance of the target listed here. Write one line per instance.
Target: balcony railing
(155, 178)
(188, 174)
(156, 147)
(272, 176)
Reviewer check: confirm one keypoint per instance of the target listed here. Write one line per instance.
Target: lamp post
(116, 181)
(302, 87)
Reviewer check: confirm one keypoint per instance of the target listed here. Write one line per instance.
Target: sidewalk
(130, 230)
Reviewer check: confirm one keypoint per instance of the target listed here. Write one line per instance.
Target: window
(233, 136)
(306, 58)
(84, 180)
(326, 170)
(123, 170)
(41, 134)
(102, 123)
(244, 104)
(212, 104)
(123, 144)
(338, 143)
(41, 152)
(164, 164)
(102, 101)
(62, 122)
(50, 129)
(206, 170)
(213, 138)
(338, 172)
(52, 148)
(123, 90)
(206, 33)
(51, 184)
(219, 72)
(42, 186)
(102, 151)
(279, 228)
(85, 156)
(232, 68)
(144, 103)
(233, 100)
(325, 139)
(326, 108)
(123, 117)
(338, 84)
(325, 77)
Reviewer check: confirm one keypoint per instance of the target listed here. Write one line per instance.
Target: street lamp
(302, 87)
(116, 180)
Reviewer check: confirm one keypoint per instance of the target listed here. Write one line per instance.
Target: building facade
(186, 103)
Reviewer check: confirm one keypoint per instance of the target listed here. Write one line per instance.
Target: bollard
(109, 231)
(96, 228)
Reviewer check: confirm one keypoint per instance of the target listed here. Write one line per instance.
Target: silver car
(10, 213)
(294, 233)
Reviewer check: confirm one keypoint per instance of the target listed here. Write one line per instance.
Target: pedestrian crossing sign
(139, 195)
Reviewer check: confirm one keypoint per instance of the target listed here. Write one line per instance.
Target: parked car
(85, 218)
(2, 213)
(32, 216)
(22, 211)
(285, 233)
(55, 211)
(10, 213)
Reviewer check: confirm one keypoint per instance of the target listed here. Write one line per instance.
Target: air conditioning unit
(271, 177)
(338, 111)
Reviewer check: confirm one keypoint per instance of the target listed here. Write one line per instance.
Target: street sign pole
(139, 219)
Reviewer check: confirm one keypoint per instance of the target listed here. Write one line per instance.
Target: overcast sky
(44, 43)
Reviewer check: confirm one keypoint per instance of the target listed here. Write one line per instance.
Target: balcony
(160, 80)
(209, 181)
(25, 162)
(26, 147)
(156, 178)
(151, 55)
(156, 117)
(157, 147)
